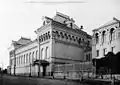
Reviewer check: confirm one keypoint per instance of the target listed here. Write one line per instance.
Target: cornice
(22, 46)
(42, 27)
(26, 50)
(104, 26)
(64, 27)
(67, 59)
(44, 42)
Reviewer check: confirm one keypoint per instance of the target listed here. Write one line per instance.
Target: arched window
(57, 34)
(73, 38)
(83, 40)
(16, 60)
(103, 36)
(61, 34)
(19, 59)
(26, 58)
(79, 40)
(42, 54)
(69, 37)
(46, 53)
(37, 54)
(22, 59)
(44, 37)
(97, 38)
(88, 43)
(48, 34)
(112, 34)
(66, 36)
(30, 57)
(76, 38)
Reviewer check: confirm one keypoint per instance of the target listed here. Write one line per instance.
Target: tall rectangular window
(113, 49)
(104, 51)
(88, 57)
(97, 53)
(36, 54)
(24, 58)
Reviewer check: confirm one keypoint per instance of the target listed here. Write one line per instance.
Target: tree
(111, 62)
(5, 71)
(118, 62)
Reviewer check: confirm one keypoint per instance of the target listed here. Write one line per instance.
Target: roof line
(107, 25)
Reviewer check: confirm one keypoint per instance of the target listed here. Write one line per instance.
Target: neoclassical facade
(59, 41)
(106, 39)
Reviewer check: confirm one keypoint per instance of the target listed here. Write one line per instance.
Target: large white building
(106, 39)
(59, 41)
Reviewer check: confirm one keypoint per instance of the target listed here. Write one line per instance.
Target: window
(112, 34)
(30, 57)
(97, 53)
(16, 61)
(62, 36)
(97, 38)
(88, 43)
(103, 36)
(79, 40)
(46, 53)
(104, 51)
(88, 57)
(33, 56)
(19, 60)
(24, 58)
(113, 49)
(49, 34)
(10, 61)
(66, 36)
(36, 54)
(42, 53)
(69, 37)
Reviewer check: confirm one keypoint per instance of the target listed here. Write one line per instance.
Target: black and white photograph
(60, 42)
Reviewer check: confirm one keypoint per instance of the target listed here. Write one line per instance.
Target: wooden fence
(74, 71)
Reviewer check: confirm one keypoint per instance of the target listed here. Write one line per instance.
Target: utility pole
(30, 70)
(39, 57)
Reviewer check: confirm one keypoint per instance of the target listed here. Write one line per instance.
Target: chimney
(81, 27)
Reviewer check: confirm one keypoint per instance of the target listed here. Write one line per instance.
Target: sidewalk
(16, 80)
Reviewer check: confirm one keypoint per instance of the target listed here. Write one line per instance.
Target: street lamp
(30, 70)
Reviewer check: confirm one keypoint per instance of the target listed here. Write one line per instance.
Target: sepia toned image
(60, 42)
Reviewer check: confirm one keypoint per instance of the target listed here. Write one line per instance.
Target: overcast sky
(18, 18)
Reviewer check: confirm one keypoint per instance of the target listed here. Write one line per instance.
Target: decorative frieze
(44, 36)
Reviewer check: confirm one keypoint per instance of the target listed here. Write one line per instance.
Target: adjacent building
(106, 39)
(59, 41)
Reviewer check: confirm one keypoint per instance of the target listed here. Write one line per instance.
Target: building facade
(59, 41)
(106, 39)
